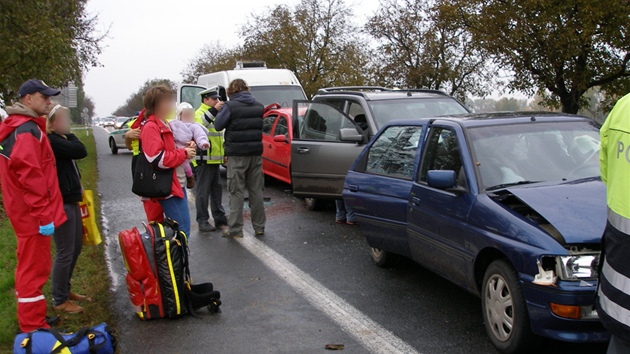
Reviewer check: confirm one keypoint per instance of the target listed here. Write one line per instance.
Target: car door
(282, 148)
(268, 152)
(322, 152)
(437, 226)
(190, 93)
(378, 187)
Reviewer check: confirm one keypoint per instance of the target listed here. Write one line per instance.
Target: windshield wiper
(505, 185)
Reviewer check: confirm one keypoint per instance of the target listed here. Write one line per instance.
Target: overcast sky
(156, 38)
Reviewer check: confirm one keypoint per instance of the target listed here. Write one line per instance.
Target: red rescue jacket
(30, 187)
(157, 142)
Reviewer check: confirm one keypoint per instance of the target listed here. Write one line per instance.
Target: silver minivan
(331, 130)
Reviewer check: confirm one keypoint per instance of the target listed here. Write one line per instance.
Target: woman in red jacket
(158, 144)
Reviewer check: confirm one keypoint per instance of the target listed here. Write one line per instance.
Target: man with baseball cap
(32, 199)
(208, 187)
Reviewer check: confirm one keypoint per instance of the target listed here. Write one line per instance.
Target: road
(307, 283)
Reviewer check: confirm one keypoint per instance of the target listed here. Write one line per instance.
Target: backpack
(94, 340)
(158, 277)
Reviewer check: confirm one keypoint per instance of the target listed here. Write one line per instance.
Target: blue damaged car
(509, 206)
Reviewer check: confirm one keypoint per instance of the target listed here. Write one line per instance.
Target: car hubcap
(499, 307)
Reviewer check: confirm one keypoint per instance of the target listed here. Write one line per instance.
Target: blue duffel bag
(88, 340)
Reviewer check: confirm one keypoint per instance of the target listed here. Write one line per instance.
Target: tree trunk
(570, 103)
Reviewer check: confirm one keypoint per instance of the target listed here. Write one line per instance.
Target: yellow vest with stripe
(215, 154)
(135, 144)
(614, 157)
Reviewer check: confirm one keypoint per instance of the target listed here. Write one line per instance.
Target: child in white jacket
(184, 130)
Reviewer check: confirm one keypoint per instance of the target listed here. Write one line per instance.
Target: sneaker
(222, 228)
(206, 227)
(342, 221)
(190, 182)
(260, 232)
(69, 307)
(53, 321)
(353, 223)
(229, 234)
(78, 297)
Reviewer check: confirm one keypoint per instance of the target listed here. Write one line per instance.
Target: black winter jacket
(66, 151)
(241, 117)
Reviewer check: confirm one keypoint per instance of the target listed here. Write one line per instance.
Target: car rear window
(385, 111)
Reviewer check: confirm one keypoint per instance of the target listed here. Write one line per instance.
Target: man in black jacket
(69, 235)
(241, 117)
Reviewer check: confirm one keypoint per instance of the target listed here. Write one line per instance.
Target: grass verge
(90, 276)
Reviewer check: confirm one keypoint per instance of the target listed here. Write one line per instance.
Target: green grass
(90, 275)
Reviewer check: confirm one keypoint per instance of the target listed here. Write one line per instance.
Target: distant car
(277, 136)
(118, 124)
(117, 137)
(508, 206)
(339, 121)
(108, 122)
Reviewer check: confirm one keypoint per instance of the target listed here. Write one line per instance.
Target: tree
(422, 46)
(212, 57)
(561, 47)
(134, 102)
(54, 40)
(315, 39)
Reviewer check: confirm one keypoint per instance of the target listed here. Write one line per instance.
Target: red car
(277, 137)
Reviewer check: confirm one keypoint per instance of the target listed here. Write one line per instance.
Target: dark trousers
(68, 243)
(208, 190)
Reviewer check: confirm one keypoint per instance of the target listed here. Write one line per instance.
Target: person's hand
(205, 146)
(47, 230)
(224, 160)
(219, 105)
(133, 134)
(192, 144)
(191, 152)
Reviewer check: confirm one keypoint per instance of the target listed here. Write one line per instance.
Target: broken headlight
(577, 267)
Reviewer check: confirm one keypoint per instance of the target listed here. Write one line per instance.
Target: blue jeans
(344, 212)
(177, 209)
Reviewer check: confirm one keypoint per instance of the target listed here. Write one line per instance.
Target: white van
(267, 85)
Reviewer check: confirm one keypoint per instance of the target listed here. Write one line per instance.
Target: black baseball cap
(33, 85)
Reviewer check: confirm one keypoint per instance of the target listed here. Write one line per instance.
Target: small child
(185, 130)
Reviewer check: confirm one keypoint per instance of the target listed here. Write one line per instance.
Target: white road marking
(370, 334)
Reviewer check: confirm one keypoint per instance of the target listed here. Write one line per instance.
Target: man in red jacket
(32, 199)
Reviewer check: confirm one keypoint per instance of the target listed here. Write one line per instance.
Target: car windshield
(385, 111)
(283, 95)
(535, 152)
(121, 119)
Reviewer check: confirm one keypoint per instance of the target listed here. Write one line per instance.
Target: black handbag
(149, 180)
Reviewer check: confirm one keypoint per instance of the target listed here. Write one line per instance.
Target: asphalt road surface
(307, 283)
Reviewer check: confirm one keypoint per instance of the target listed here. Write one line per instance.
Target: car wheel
(504, 310)
(112, 146)
(311, 204)
(381, 258)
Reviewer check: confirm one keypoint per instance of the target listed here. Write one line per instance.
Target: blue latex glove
(47, 230)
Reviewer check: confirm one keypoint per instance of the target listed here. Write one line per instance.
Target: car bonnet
(576, 209)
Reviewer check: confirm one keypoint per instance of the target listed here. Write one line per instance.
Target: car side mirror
(281, 139)
(439, 179)
(350, 135)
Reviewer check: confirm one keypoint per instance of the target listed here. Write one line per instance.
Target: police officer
(208, 187)
(613, 303)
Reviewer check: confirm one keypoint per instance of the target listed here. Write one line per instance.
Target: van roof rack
(257, 64)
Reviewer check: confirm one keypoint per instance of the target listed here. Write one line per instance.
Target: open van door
(325, 144)
(190, 93)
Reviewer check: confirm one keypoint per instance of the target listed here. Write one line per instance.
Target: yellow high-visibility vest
(135, 144)
(614, 158)
(216, 153)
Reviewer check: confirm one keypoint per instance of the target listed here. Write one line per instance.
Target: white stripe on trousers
(31, 299)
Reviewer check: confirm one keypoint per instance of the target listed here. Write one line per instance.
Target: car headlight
(577, 267)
